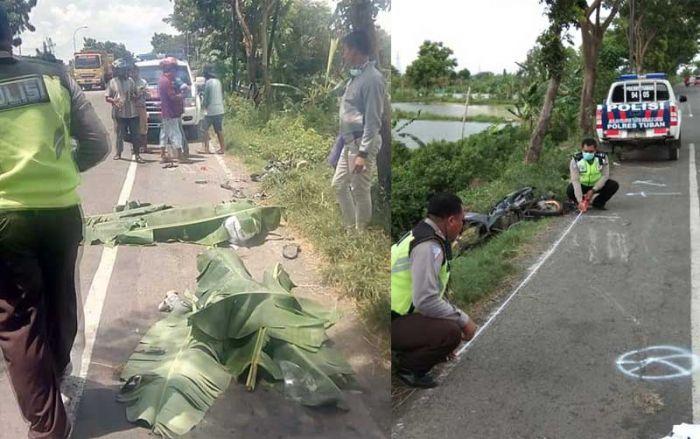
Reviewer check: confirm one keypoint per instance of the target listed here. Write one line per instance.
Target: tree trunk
(535, 147)
(263, 38)
(248, 44)
(591, 46)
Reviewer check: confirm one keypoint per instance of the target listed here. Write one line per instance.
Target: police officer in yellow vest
(41, 109)
(590, 177)
(425, 327)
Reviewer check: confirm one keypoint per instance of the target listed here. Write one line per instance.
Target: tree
(553, 59)
(592, 32)
(18, 14)
(433, 66)
(464, 74)
(165, 43)
(119, 50)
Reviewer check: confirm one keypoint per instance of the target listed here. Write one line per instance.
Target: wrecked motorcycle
(522, 204)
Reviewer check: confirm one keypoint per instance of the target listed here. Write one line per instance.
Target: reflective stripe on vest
(401, 279)
(589, 173)
(37, 169)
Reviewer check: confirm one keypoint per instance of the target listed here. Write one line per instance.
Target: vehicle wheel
(674, 152)
(546, 208)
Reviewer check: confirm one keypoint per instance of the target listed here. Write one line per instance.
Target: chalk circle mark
(658, 363)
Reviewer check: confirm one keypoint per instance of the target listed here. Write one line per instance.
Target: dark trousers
(422, 342)
(38, 314)
(128, 129)
(605, 194)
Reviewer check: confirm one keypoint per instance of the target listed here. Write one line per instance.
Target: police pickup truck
(640, 111)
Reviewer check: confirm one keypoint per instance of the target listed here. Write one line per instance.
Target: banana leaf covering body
(138, 224)
(239, 328)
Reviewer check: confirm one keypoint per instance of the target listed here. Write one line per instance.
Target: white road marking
(222, 163)
(593, 248)
(646, 194)
(95, 299)
(535, 269)
(694, 276)
(649, 183)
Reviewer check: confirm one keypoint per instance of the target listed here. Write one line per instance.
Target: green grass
(482, 271)
(358, 262)
(485, 118)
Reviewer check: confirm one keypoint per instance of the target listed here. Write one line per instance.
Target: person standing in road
(213, 104)
(123, 96)
(141, 95)
(360, 121)
(425, 327)
(41, 227)
(171, 108)
(590, 177)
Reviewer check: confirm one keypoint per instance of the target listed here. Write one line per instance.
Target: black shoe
(424, 381)
(599, 207)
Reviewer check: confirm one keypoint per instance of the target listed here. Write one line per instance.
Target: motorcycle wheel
(545, 208)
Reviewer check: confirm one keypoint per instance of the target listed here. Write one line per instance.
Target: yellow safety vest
(590, 173)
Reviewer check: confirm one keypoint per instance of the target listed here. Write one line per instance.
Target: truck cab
(151, 72)
(92, 69)
(641, 111)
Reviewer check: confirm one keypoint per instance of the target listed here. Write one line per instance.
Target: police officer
(425, 327)
(41, 109)
(590, 177)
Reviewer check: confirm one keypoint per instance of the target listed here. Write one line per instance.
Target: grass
(485, 118)
(482, 271)
(358, 262)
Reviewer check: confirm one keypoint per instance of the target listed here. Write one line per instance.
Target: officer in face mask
(590, 177)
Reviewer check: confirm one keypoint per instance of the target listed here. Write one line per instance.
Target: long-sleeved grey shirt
(426, 262)
(576, 177)
(362, 106)
(85, 126)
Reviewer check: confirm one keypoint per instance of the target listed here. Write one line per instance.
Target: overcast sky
(486, 35)
(132, 22)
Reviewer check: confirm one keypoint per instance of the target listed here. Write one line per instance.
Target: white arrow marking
(649, 183)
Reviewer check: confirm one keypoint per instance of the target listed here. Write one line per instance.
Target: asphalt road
(619, 281)
(138, 282)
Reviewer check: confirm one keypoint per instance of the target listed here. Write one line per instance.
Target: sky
(132, 22)
(485, 35)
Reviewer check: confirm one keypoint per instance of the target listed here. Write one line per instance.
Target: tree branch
(613, 12)
(595, 5)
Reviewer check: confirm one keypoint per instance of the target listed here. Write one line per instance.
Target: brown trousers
(422, 342)
(38, 314)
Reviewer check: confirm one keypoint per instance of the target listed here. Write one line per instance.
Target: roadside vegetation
(283, 78)
(551, 96)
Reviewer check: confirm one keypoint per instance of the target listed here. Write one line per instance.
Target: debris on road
(238, 328)
(291, 251)
(201, 181)
(141, 224)
(174, 303)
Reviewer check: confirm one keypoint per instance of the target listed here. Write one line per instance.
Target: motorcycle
(520, 205)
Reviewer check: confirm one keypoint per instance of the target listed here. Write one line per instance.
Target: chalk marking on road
(649, 183)
(95, 300)
(662, 363)
(603, 217)
(617, 305)
(223, 165)
(593, 248)
(617, 244)
(535, 269)
(646, 194)
(694, 276)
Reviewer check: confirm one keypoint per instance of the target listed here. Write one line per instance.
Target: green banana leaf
(138, 224)
(238, 327)
(172, 378)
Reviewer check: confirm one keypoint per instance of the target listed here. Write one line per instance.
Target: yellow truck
(92, 68)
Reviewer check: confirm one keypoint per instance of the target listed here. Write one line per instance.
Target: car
(641, 111)
(151, 71)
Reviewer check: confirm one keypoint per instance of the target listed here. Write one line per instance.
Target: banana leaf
(203, 224)
(172, 378)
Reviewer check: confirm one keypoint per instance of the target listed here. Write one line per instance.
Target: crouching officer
(425, 327)
(590, 177)
(41, 109)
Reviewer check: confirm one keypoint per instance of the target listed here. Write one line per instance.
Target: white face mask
(355, 72)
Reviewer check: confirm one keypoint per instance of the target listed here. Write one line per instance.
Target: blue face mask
(588, 156)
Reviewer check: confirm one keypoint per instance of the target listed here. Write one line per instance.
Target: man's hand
(583, 206)
(469, 330)
(589, 195)
(360, 165)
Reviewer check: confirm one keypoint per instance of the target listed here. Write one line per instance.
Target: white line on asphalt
(222, 163)
(529, 277)
(694, 276)
(96, 296)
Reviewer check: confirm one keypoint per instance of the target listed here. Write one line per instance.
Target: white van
(191, 118)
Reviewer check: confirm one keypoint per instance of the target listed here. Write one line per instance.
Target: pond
(453, 110)
(434, 130)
